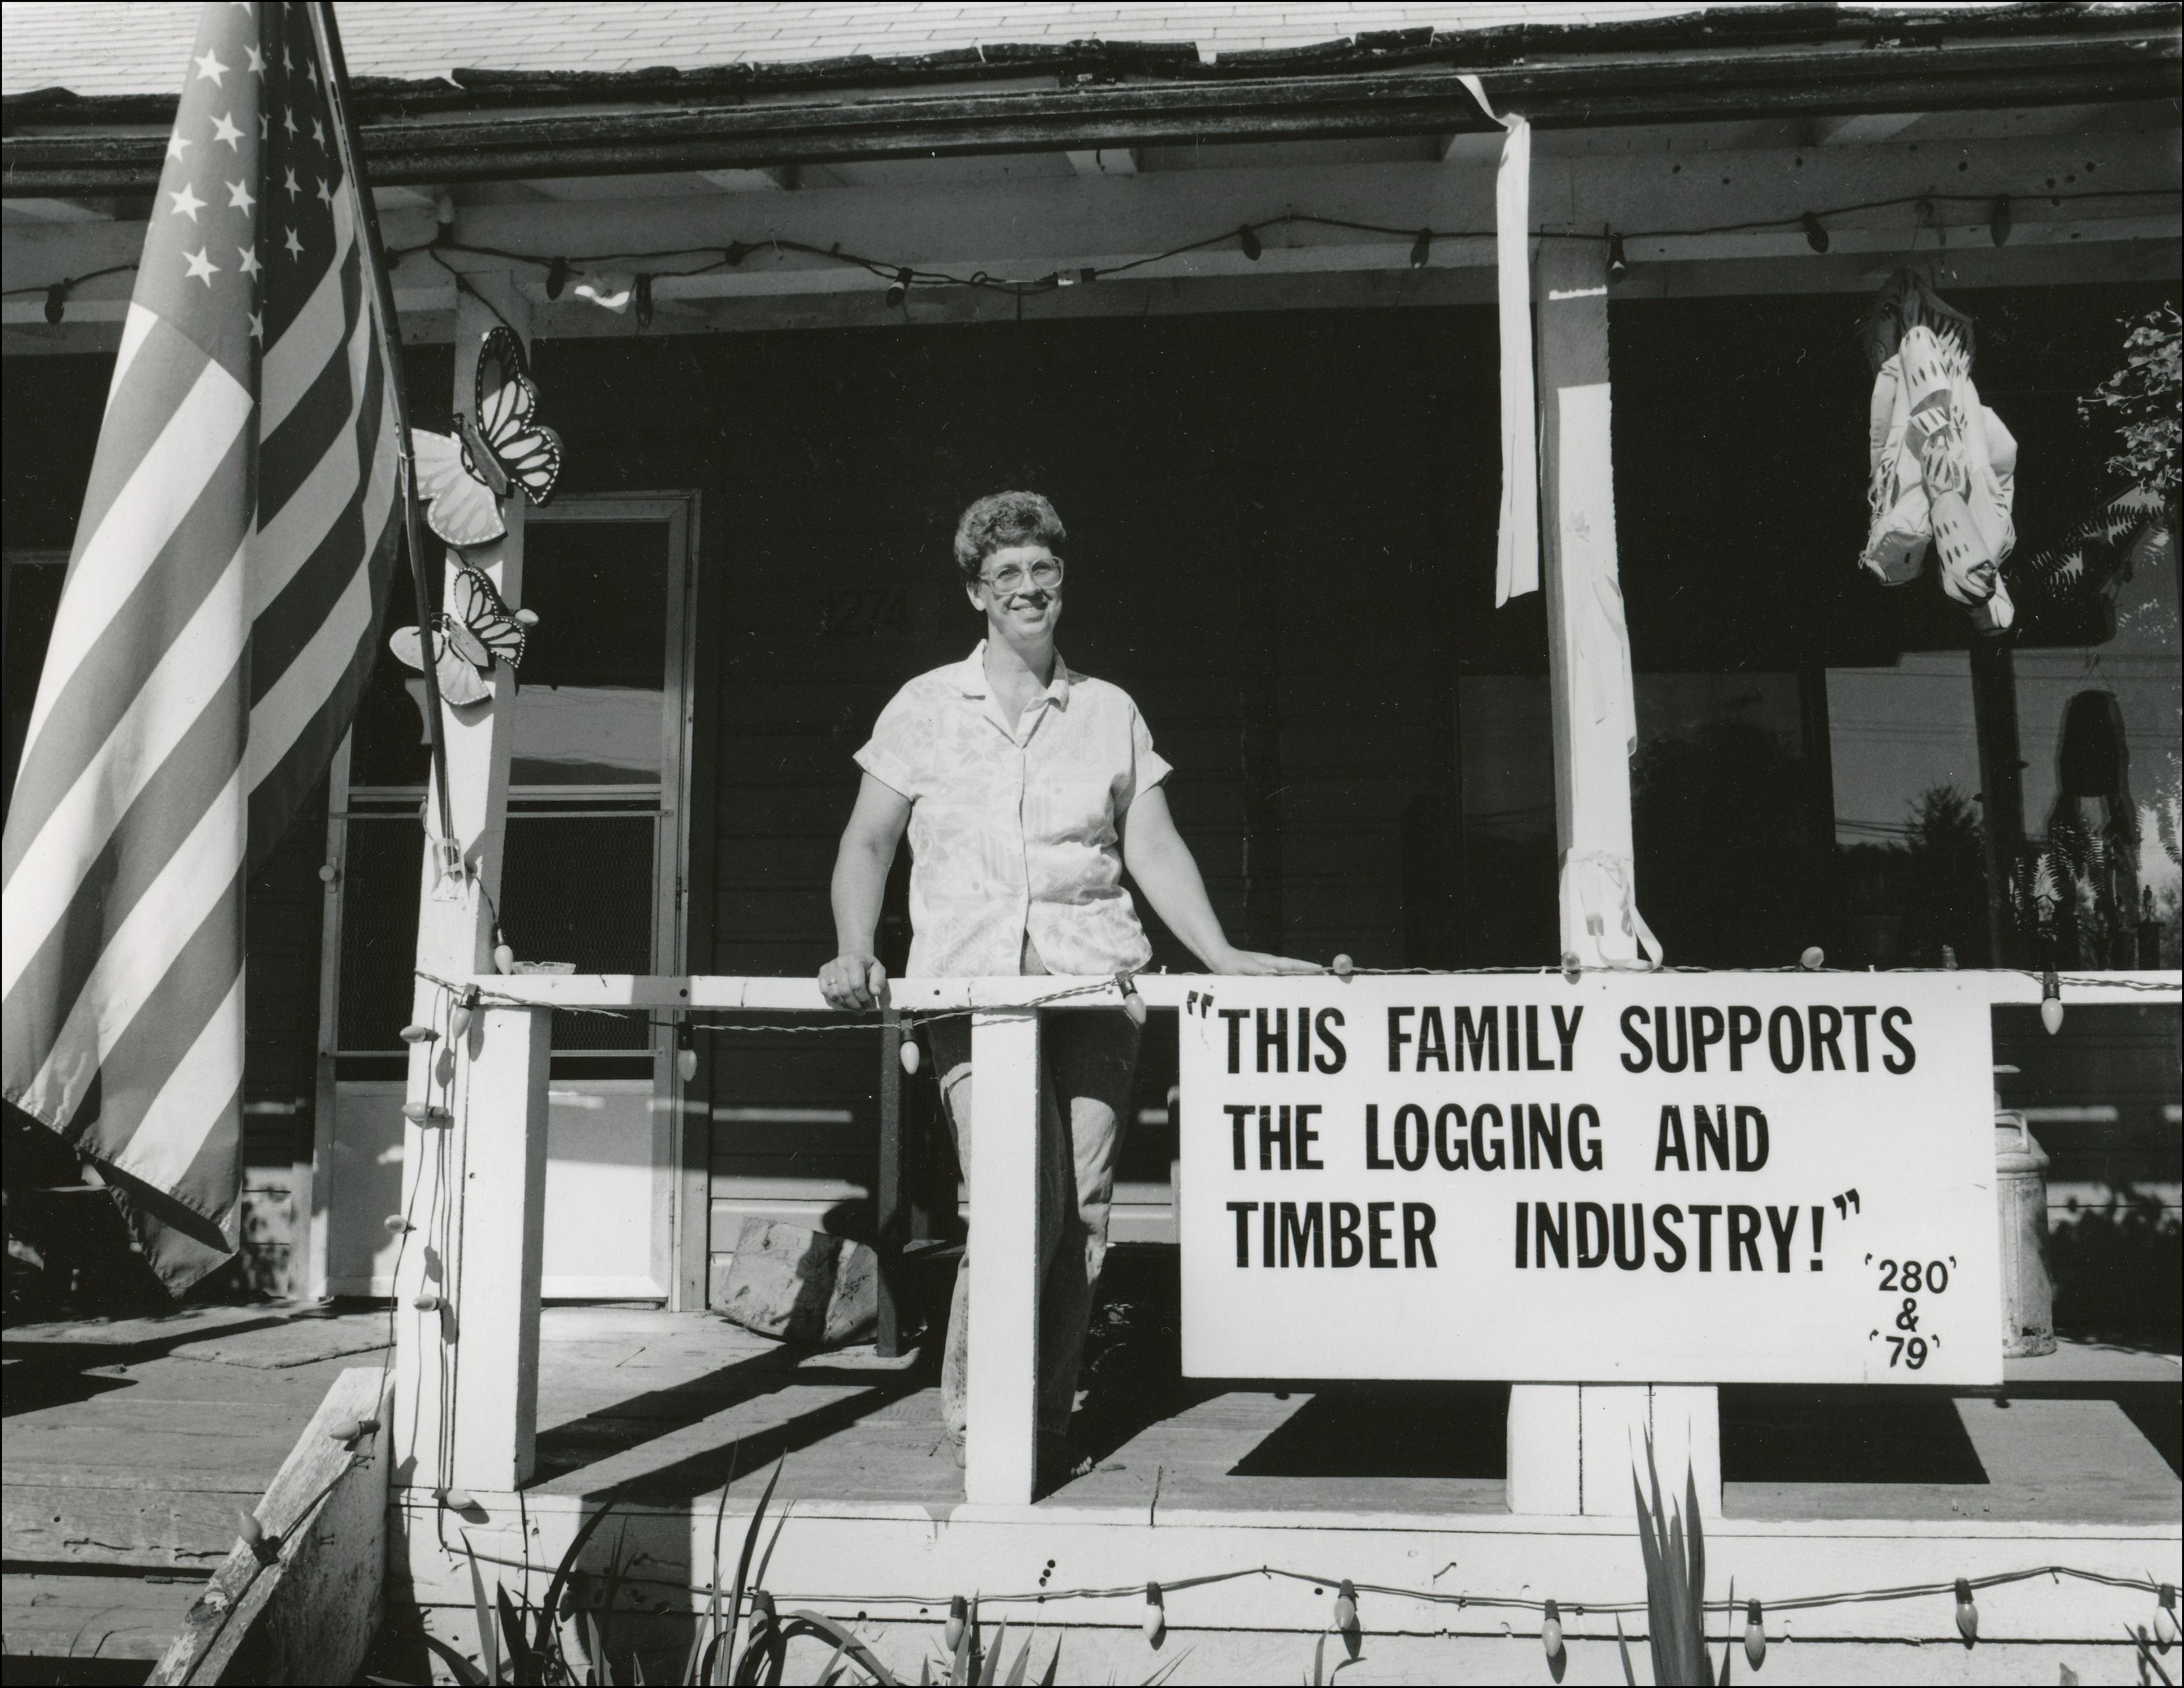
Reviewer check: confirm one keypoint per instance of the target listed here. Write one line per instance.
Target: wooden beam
(456, 925)
(303, 1603)
(1588, 647)
(1569, 1446)
(1001, 1444)
(497, 1149)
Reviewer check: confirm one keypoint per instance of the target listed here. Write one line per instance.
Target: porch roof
(106, 47)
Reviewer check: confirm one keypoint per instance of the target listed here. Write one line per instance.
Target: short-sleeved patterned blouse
(1015, 832)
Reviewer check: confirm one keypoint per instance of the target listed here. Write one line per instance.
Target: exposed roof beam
(778, 179)
(54, 211)
(1866, 129)
(1105, 161)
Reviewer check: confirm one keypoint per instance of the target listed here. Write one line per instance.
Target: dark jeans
(1088, 1057)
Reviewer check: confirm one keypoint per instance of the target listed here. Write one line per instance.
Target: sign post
(1651, 1179)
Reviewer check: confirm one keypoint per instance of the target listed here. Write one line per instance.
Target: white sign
(1633, 1179)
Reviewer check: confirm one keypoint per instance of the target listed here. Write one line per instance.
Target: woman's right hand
(852, 981)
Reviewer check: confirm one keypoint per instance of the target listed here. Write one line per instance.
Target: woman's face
(1020, 590)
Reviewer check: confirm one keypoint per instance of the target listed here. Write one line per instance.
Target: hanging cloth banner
(1517, 544)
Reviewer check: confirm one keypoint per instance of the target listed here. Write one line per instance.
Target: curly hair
(999, 521)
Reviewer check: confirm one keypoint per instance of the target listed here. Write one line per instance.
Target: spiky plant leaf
(562, 1572)
(488, 1647)
(464, 1671)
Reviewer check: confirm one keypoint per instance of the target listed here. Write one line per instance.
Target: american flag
(216, 627)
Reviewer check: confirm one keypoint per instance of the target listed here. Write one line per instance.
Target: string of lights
(1957, 1588)
(899, 279)
(688, 1020)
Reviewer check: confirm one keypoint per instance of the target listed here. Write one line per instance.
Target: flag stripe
(122, 550)
(140, 409)
(314, 425)
(135, 1068)
(277, 787)
(167, 1136)
(111, 885)
(135, 326)
(306, 583)
(277, 717)
(142, 947)
(137, 643)
(293, 360)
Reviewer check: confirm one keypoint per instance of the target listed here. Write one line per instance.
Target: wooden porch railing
(467, 1324)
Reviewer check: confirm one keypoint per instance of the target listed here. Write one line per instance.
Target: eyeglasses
(1045, 574)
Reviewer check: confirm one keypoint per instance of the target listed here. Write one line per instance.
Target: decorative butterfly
(472, 630)
(463, 476)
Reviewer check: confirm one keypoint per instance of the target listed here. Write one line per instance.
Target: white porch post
(1571, 1446)
(1002, 1446)
(465, 1369)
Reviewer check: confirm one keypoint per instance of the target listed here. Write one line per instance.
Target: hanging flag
(216, 627)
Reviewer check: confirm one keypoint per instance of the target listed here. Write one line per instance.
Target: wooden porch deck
(129, 1446)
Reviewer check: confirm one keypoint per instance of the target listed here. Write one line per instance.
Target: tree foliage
(2142, 399)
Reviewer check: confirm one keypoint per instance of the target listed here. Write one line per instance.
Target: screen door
(592, 873)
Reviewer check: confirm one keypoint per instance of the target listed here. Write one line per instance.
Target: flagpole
(328, 38)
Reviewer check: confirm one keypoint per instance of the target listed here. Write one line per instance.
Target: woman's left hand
(1253, 963)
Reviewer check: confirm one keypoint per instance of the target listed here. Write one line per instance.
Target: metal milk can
(2028, 1294)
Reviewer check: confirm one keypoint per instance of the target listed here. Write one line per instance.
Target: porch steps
(130, 1445)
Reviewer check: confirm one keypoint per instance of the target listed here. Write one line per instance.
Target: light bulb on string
(1346, 1621)
(457, 1500)
(898, 289)
(421, 1113)
(1816, 231)
(2166, 1630)
(1422, 249)
(557, 277)
(1618, 266)
(1814, 958)
(1248, 238)
(1967, 1613)
(419, 1035)
(1997, 220)
(1132, 1004)
(428, 1303)
(686, 1056)
(503, 954)
(396, 1226)
(2051, 1002)
(909, 1054)
(1755, 1635)
(959, 1617)
(460, 1016)
(263, 1548)
(1155, 1622)
(1344, 967)
(443, 218)
(57, 298)
(1551, 1633)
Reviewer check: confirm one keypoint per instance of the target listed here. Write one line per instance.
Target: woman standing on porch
(1027, 788)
